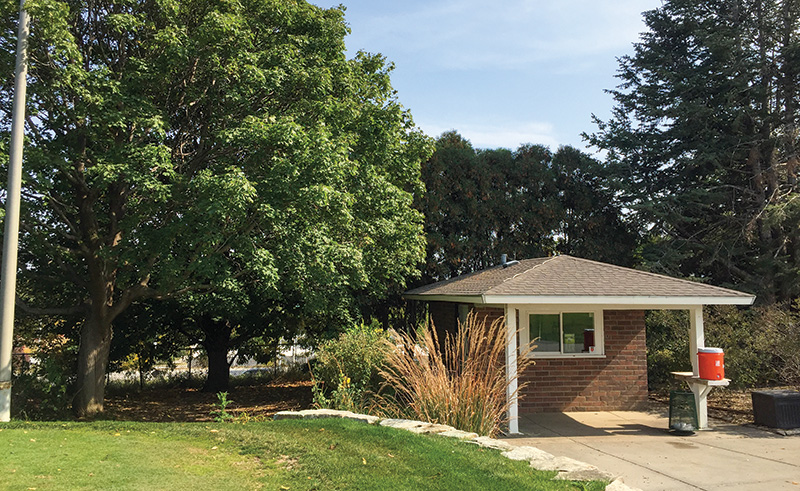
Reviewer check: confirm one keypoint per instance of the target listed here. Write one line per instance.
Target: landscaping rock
(402, 424)
(618, 485)
(461, 435)
(528, 453)
(413, 426)
(325, 413)
(322, 413)
(486, 442)
(572, 470)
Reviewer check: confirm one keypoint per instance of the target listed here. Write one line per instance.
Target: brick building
(587, 321)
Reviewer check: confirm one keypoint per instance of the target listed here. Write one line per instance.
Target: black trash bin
(777, 408)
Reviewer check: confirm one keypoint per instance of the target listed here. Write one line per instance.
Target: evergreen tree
(480, 204)
(704, 139)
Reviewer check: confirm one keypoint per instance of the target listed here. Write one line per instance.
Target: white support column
(511, 369)
(696, 336)
(697, 340)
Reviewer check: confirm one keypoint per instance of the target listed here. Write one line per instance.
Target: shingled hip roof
(567, 279)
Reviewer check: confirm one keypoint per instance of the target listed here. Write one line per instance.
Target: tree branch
(76, 309)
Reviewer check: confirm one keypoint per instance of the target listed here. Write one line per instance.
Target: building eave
(446, 298)
(640, 301)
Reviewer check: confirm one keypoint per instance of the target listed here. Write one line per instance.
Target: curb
(567, 469)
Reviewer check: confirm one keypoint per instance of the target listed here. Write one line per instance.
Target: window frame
(599, 338)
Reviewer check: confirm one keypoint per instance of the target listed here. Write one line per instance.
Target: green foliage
(346, 370)
(460, 382)
(703, 142)
(528, 203)
(187, 147)
(146, 334)
(667, 346)
(345, 396)
(760, 344)
(41, 385)
(220, 413)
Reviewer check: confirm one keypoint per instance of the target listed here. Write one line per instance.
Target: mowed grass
(295, 455)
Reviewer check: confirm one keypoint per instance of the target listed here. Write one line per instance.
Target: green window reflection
(568, 332)
(546, 328)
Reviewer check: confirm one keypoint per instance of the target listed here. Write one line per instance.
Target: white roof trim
(641, 301)
(618, 300)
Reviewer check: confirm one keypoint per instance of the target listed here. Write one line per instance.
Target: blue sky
(501, 73)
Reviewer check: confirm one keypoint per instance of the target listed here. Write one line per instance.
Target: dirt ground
(185, 405)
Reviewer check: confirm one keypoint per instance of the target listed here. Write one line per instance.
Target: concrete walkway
(638, 447)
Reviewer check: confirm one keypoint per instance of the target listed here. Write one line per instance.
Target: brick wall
(444, 316)
(616, 382)
(491, 314)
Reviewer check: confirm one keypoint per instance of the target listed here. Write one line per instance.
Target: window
(563, 333)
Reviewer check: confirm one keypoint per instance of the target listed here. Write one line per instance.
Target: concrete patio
(638, 447)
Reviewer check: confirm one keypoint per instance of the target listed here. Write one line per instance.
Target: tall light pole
(8, 275)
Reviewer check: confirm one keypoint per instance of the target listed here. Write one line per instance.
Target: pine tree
(704, 139)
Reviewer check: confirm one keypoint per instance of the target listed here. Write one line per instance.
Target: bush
(749, 348)
(779, 341)
(40, 389)
(667, 346)
(346, 370)
(462, 383)
(762, 345)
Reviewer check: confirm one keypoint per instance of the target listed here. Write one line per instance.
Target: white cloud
(509, 136)
(472, 34)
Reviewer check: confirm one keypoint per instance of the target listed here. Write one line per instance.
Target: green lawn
(294, 455)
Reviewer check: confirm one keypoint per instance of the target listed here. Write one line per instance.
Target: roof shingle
(570, 276)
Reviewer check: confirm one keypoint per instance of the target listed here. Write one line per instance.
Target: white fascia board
(642, 302)
(446, 298)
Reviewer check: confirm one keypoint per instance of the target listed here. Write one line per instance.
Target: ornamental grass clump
(461, 383)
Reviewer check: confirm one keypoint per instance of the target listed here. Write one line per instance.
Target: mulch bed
(263, 401)
(186, 405)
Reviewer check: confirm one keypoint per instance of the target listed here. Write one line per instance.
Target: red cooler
(711, 363)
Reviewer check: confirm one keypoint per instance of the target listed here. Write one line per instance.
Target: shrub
(40, 389)
(749, 349)
(667, 346)
(779, 340)
(762, 345)
(462, 383)
(346, 370)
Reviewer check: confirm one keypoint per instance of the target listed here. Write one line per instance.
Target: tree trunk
(92, 363)
(141, 371)
(216, 342)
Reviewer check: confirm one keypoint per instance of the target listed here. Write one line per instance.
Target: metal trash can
(682, 411)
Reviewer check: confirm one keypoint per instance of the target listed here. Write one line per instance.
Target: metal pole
(8, 280)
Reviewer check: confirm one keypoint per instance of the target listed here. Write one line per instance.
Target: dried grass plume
(461, 383)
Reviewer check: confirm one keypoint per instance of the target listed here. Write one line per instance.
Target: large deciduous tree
(201, 145)
(704, 138)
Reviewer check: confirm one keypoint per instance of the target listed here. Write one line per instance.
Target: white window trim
(599, 334)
